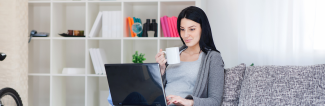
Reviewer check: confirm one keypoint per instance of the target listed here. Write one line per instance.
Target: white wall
(222, 15)
(14, 42)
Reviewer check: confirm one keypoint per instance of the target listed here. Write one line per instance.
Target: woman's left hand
(177, 100)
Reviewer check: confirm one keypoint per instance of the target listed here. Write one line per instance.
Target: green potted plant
(138, 58)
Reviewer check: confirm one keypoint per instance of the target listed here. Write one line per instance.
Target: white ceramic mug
(172, 55)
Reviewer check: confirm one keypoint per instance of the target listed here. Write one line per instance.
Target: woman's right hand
(160, 58)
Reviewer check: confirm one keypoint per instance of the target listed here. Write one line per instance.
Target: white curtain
(281, 32)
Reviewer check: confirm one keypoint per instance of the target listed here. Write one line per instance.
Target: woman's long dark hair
(196, 14)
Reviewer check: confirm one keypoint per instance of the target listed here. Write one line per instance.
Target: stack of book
(169, 26)
(110, 24)
(99, 59)
(130, 22)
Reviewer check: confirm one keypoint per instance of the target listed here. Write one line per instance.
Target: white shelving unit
(49, 55)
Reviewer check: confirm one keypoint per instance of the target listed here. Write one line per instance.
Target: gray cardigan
(208, 89)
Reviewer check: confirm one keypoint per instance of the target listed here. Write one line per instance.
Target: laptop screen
(135, 84)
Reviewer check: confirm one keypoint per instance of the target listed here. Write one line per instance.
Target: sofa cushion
(233, 80)
(283, 85)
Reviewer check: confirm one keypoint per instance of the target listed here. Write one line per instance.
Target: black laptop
(137, 84)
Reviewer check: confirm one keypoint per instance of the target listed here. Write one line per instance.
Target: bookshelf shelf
(95, 7)
(148, 47)
(39, 74)
(113, 53)
(39, 62)
(68, 16)
(168, 7)
(68, 91)
(100, 38)
(39, 1)
(97, 91)
(91, 1)
(41, 38)
(69, 38)
(39, 90)
(169, 38)
(32, 2)
(140, 38)
(71, 75)
(69, 1)
(67, 54)
(95, 75)
(170, 43)
(49, 55)
(140, 9)
(35, 10)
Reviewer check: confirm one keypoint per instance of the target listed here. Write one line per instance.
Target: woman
(199, 78)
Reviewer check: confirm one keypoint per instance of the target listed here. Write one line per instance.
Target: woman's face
(190, 32)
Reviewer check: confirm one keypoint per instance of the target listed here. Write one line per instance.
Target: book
(103, 58)
(138, 20)
(163, 26)
(113, 24)
(110, 24)
(119, 25)
(100, 61)
(106, 24)
(128, 25)
(170, 26)
(174, 22)
(94, 60)
(130, 21)
(96, 26)
(127, 31)
(166, 26)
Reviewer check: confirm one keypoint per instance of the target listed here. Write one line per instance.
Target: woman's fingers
(161, 52)
(157, 55)
(173, 99)
(157, 60)
(170, 96)
(177, 102)
(160, 59)
(160, 55)
(165, 61)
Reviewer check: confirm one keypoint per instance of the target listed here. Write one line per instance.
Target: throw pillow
(233, 80)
